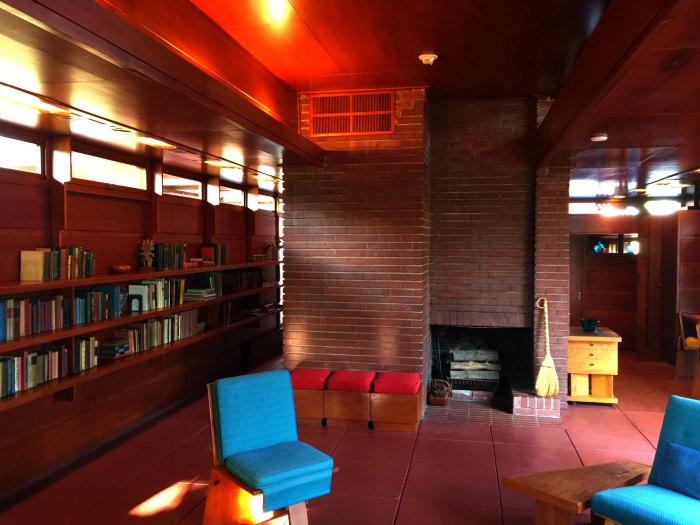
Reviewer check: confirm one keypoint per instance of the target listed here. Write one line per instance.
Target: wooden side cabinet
(592, 365)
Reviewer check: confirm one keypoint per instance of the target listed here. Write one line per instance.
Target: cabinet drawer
(592, 358)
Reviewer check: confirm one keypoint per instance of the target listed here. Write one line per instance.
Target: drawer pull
(591, 344)
(591, 354)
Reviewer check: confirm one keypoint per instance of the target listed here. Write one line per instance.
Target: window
(266, 183)
(98, 169)
(181, 187)
(231, 196)
(266, 202)
(232, 174)
(20, 155)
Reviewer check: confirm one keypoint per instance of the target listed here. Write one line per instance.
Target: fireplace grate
(475, 384)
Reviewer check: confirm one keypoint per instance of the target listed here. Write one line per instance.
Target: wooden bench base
(346, 408)
(396, 411)
(308, 406)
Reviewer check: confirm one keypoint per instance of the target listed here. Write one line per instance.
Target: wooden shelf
(124, 319)
(66, 383)
(22, 287)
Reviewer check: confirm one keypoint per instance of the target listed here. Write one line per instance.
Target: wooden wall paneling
(643, 287)
(110, 248)
(662, 297)
(181, 215)
(230, 228)
(577, 251)
(112, 211)
(111, 223)
(610, 284)
(668, 282)
(182, 220)
(597, 224)
(99, 413)
(688, 299)
(262, 230)
(25, 218)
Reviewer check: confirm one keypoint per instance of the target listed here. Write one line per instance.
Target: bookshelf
(213, 326)
(130, 373)
(54, 423)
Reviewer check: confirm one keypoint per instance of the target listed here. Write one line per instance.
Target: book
(31, 265)
(144, 292)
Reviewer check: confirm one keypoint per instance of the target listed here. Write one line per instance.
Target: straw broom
(547, 382)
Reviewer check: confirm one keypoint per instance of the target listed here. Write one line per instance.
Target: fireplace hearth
(483, 358)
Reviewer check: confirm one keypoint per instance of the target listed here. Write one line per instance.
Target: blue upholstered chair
(256, 452)
(672, 495)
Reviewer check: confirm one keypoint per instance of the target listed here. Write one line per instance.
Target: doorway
(603, 283)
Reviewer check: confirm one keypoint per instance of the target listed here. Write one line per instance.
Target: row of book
(214, 252)
(100, 303)
(50, 264)
(158, 293)
(168, 256)
(20, 317)
(180, 326)
(241, 280)
(30, 369)
(204, 286)
(29, 316)
(54, 361)
(139, 337)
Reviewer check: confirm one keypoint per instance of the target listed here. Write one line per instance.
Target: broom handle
(541, 303)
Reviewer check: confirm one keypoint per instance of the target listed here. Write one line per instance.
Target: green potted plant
(439, 392)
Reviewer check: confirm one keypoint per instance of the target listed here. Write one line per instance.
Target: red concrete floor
(447, 473)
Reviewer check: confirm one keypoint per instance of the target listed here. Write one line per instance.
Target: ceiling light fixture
(662, 207)
(599, 137)
(155, 143)
(428, 58)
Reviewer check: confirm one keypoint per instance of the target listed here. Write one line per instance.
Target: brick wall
(552, 267)
(356, 249)
(482, 195)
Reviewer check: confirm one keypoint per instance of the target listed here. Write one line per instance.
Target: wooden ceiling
(222, 75)
(485, 48)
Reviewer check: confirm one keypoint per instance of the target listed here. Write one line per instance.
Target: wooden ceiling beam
(601, 66)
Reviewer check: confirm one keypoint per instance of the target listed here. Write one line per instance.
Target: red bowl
(120, 268)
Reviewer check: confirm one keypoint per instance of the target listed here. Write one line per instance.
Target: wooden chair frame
(229, 498)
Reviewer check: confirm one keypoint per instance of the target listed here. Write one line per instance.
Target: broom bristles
(547, 383)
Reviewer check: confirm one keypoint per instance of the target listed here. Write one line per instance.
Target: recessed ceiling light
(639, 190)
(599, 137)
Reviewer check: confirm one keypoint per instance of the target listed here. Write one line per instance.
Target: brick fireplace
(445, 223)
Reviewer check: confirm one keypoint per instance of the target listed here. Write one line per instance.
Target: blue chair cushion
(679, 470)
(680, 426)
(646, 505)
(287, 473)
(252, 411)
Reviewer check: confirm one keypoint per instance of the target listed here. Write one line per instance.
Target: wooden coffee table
(561, 493)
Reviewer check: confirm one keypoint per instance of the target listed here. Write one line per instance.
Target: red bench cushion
(397, 383)
(351, 381)
(309, 378)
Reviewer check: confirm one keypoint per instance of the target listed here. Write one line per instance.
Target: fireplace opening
(483, 359)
